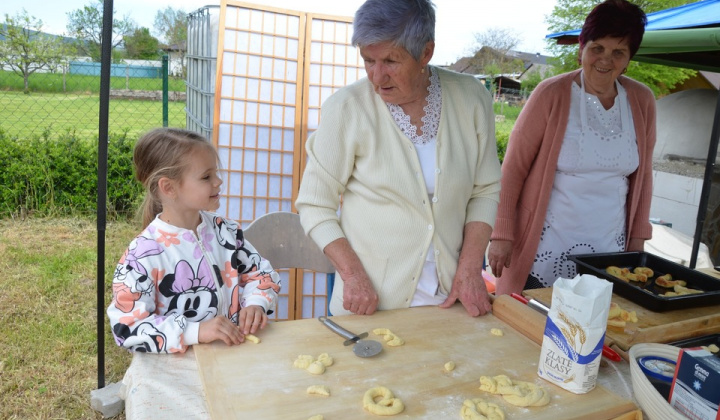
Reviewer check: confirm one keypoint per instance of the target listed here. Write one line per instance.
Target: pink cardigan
(528, 171)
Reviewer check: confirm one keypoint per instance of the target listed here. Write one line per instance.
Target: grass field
(23, 116)
(76, 83)
(48, 362)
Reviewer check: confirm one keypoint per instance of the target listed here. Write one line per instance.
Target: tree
(25, 49)
(86, 26)
(570, 14)
(171, 26)
(492, 52)
(141, 45)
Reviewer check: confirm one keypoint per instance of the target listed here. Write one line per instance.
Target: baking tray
(704, 340)
(648, 294)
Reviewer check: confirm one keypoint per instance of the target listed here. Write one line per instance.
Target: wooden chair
(279, 238)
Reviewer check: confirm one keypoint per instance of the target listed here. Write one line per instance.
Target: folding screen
(275, 67)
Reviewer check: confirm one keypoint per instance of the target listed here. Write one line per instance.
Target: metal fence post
(165, 89)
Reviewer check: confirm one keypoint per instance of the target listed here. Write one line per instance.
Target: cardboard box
(695, 390)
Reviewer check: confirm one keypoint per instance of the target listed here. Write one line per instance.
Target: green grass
(48, 362)
(24, 116)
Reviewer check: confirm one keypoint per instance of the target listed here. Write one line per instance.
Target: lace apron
(586, 213)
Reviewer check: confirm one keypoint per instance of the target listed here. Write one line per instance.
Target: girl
(189, 277)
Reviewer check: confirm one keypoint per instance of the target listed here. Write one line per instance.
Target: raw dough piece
(667, 281)
(387, 405)
(390, 338)
(497, 331)
(303, 361)
(318, 390)
(479, 409)
(449, 366)
(318, 417)
(519, 393)
(325, 359)
(252, 338)
(316, 368)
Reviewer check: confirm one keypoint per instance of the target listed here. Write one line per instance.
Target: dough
(497, 331)
(318, 417)
(667, 281)
(519, 393)
(316, 368)
(618, 317)
(326, 359)
(390, 338)
(318, 390)
(449, 366)
(479, 409)
(386, 405)
(252, 338)
(303, 361)
(712, 348)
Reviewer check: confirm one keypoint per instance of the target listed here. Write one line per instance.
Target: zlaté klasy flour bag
(575, 332)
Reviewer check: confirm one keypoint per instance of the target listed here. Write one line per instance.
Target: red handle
(606, 351)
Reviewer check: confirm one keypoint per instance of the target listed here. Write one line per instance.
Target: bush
(51, 177)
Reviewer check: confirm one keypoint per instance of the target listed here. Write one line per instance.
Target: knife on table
(540, 307)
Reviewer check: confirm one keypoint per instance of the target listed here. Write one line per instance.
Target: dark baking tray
(704, 340)
(648, 294)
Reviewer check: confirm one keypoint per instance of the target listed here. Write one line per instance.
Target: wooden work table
(260, 381)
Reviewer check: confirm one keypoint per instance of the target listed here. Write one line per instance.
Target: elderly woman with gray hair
(401, 185)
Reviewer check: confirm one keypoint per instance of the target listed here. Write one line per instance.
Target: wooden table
(259, 380)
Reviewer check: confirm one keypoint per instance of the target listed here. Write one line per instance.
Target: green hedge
(51, 177)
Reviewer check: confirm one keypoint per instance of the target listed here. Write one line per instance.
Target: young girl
(189, 277)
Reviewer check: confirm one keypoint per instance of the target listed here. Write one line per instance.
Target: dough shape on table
(449, 366)
(252, 338)
(316, 368)
(326, 359)
(712, 348)
(317, 417)
(519, 393)
(479, 409)
(497, 331)
(387, 405)
(390, 337)
(303, 361)
(322, 390)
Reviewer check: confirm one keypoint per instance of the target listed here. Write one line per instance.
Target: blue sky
(457, 20)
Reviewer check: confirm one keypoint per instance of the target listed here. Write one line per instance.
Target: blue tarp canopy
(685, 36)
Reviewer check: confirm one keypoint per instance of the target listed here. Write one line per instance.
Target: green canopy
(698, 49)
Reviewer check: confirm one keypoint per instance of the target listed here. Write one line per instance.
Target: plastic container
(659, 371)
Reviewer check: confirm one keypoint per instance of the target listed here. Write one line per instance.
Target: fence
(61, 101)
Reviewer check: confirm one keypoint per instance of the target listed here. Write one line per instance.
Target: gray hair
(409, 24)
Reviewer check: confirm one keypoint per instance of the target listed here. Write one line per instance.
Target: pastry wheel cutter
(362, 347)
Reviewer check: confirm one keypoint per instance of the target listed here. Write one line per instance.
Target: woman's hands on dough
(499, 255)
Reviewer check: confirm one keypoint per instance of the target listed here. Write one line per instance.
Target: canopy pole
(105, 60)
(707, 183)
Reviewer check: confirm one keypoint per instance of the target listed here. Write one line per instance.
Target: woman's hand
(499, 255)
(220, 328)
(359, 296)
(251, 318)
(468, 284)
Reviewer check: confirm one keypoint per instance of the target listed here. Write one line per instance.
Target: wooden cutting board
(260, 382)
(652, 327)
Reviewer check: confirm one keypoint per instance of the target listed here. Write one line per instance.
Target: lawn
(48, 363)
(23, 116)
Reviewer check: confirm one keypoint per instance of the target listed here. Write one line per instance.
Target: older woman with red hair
(577, 175)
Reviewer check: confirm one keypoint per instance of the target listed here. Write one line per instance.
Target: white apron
(586, 212)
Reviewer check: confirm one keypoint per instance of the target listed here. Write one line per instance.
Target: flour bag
(575, 332)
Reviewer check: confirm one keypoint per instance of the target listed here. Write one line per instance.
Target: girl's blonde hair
(163, 153)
